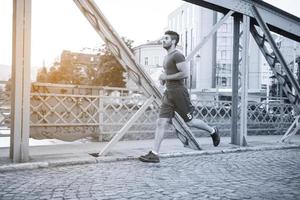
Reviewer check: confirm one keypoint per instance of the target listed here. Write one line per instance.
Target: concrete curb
(23, 166)
(233, 150)
(91, 160)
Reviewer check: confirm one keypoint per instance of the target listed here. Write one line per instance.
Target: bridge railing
(71, 112)
(4, 107)
(273, 116)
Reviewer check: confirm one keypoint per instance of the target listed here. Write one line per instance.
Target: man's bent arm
(182, 74)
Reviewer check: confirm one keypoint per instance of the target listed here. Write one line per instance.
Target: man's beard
(167, 47)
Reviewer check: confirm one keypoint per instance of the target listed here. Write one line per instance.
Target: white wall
(192, 23)
(200, 22)
(155, 55)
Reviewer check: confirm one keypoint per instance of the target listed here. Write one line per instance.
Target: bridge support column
(235, 80)
(19, 141)
(242, 134)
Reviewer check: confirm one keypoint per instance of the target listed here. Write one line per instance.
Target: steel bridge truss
(285, 78)
(126, 59)
(267, 18)
(249, 11)
(253, 13)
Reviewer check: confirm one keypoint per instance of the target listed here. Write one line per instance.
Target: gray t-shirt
(170, 67)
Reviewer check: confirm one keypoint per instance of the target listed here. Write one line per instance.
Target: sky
(59, 25)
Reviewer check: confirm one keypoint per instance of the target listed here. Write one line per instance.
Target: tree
(273, 90)
(42, 75)
(108, 72)
(8, 85)
(298, 72)
(111, 73)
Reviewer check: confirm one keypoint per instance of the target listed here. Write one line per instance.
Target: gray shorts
(178, 100)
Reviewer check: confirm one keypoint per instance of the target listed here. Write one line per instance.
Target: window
(228, 67)
(229, 81)
(229, 28)
(182, 21)
(223, 54)
(156, 60)
(223, 40)
(224, 81)
(146, 61)
(219, 79)
(223, 28)
(180, 41)
(188, 17)
(192, 44)
(223, 66)
(186, 42)
(178, 23)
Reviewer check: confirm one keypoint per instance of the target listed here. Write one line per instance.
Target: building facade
(193, 23)
(212, 65)
(150, 57)
(290, 51)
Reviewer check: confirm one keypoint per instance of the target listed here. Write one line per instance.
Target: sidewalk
(77, 153)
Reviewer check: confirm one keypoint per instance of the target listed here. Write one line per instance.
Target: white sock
(213, 131)
(154, 152)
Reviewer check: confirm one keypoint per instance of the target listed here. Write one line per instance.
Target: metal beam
(209, 35)
(278, 21)
(292, 130)
(19, 146)
(116, 45)
(214, 54)
(276, 51)
(244, 81)
(272, 60)
(125, 128)
(235, 80)
(287, 80)
(122, 53)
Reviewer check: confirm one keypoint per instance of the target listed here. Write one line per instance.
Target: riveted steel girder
(278, 21)
(122, 53)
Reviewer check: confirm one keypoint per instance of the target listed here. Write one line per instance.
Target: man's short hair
(173, 35)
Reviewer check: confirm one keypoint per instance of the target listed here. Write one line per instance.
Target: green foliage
(110, 72)
(107, 72)
(42, 75)
(8, 85)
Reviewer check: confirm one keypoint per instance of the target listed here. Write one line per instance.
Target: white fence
(70, 112)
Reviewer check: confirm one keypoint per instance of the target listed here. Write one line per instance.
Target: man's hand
(163, 77)
(162, 82)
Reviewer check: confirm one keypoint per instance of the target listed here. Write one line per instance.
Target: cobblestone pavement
(249, 175)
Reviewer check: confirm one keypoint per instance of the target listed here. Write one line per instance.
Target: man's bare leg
(162, 124)
(198, 123)
(214, 132)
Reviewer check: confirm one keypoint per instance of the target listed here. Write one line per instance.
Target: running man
(175, 98)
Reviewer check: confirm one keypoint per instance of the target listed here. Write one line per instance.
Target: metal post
(275, 49)
(214, 53)
(125, 57)
(19, 148)
(235, 80)
(244, 81)
(207, 37)
(125, 128)
(101, 116)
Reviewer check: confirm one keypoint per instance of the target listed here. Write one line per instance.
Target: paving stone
(272, 174)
